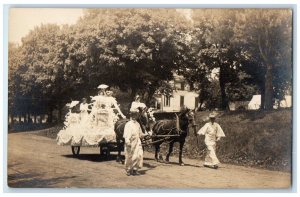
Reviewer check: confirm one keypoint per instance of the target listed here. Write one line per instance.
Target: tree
(46, 81)
(136, 46)
(267, 33)
(212, 35)
(14, 61)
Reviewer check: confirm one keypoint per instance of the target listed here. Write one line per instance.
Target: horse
(144, 119)
(172, 131)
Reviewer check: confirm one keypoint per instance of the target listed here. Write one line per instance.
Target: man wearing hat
(133, 145)
(213, 133)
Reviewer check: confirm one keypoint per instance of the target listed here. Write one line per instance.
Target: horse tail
(119, 128)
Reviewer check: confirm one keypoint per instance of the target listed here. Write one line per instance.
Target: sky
(22, 20)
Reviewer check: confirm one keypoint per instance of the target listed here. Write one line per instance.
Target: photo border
(6, 8)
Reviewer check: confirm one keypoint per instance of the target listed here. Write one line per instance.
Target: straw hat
(102, 86)
(212, 115)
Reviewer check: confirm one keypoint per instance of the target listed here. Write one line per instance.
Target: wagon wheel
(104, 151)
(75, 150)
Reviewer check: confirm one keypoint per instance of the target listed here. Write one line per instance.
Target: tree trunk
(262, 97)
(60, 106)
(34, 118)
(269, 88)
(191, 86)
(49, 119)
(150, 96)
(28, 118)
(224, 100)
(12, 121)
(59, 114)
(20, 118)
(25, 118)
(133, 94)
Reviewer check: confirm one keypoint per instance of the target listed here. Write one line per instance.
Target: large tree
(132, 48)
(46, 81)
(215, 52)
(265, 36)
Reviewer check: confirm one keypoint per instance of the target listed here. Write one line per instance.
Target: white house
(238, 105)
(182, 96)
(256, 102)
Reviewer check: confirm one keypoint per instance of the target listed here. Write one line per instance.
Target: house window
(182, 86)
(196, 102)
(181, 101)
(167, 101)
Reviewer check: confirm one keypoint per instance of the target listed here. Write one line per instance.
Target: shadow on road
(34, 180)
(148, 166)
(185, 164)
(92, 157)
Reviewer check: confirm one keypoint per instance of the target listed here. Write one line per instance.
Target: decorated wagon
(93, 126)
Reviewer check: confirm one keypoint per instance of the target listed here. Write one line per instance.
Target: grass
(253, 138)
(19, 127)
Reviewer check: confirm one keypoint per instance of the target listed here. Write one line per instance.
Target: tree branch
(261, 50)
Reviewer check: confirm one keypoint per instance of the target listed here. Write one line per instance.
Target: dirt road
(36, 161)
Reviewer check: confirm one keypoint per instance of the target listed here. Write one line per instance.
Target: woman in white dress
(84, 112)
(137, 103)
(103, 114)
(112, 102)
(70, 134)
(213, 133)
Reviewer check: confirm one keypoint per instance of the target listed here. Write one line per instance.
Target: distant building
(255, 102)
(238, 105)
(285, 103)
(182, 95)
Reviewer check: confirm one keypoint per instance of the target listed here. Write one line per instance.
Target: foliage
(265, 38)
(253, 138)
(138, 50)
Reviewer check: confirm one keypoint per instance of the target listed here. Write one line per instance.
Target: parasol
(102, 86)
(73, 103)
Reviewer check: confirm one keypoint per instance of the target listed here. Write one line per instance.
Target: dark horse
(144, 120)
(172, 131)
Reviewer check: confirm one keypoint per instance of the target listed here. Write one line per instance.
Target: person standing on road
(213, 133)
(133, 146)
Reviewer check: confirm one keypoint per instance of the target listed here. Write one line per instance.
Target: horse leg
(170, 151)
(156, 151)
(180, 153)
(119, 147)
(158, 155)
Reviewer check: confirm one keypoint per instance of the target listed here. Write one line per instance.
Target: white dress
(133, 146)
(102, 122)
(211, 132)
(90, 129)
(84, 114)
(72, 132)
(135, 105)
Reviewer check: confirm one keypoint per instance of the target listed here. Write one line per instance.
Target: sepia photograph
(150, 98)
